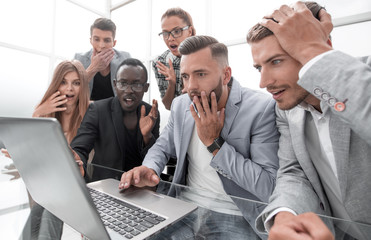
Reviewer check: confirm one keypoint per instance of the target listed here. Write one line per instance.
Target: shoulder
(252, 98)
(121, 54)
(82, 55)
(162, 58)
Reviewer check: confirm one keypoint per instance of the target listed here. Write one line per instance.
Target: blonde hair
(83, 99)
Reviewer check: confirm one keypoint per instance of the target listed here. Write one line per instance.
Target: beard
(217, 90)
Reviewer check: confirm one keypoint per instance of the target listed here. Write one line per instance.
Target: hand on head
(299, 33)
(140, 177)
(51, 105)
(304, 226)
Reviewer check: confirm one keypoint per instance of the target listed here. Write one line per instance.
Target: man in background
(102, 60)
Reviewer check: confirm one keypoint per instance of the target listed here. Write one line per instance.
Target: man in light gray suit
(324, 111)
(224, 137)
(102, 61)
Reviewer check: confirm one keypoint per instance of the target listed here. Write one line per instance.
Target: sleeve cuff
(268, 223)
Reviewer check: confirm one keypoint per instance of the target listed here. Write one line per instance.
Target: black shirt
(133, 157)
(102, 87)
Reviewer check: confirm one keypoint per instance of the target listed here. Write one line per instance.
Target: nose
(69, 86)
(192, 84)
(129, 89)
(102, 44)
(265, 78)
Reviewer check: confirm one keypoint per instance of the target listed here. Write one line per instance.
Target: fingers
(315, 227)
(142, 112)
(326, 21)
(140, 177)
(171, 65)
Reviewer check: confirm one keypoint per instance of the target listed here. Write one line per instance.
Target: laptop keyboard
(122, 217)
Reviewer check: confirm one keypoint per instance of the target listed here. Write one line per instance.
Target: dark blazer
(102, 129)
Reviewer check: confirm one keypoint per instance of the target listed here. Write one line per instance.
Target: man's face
(135, 79)
(200, 72)
(101, 40)
(172, 23)
(279, 73)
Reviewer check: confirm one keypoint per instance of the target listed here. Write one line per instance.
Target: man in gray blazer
(324, 105)
(102, 61)
(224, 137)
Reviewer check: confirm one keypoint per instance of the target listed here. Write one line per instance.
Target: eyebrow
(270, 59)
(172, 29)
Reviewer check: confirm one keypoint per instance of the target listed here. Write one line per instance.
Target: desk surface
(15, 205)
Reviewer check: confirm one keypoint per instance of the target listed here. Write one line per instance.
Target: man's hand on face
(209, 122)
(100, 61)
(299, 33)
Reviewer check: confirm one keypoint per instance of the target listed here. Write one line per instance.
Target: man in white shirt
(225, 140)
(323, 100)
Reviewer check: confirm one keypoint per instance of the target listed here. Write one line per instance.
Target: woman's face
(174, 24)
(70, 86)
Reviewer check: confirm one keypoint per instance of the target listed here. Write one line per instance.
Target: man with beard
(323, 100)
(225, 140)
(120, 129)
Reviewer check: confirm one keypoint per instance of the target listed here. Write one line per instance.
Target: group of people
(304, 150)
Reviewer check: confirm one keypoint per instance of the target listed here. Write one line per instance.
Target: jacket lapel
(340, 138)
(188, 124)
(118, 123)
(231, 108)
(297, 118)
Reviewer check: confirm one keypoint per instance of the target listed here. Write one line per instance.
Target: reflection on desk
(15, 211)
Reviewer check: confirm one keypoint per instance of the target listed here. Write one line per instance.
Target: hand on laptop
(140, 177)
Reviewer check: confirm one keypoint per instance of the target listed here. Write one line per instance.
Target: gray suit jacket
(299, 187)
(85, 59)
(247, 161)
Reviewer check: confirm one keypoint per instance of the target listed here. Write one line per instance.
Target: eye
(76, 83)
(276, 61)
(63, 82)
(185, 77)
(176, 31)
(107, 40)
(201, 74)
(259, 68)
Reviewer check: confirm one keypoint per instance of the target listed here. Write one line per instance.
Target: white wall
(38, 34)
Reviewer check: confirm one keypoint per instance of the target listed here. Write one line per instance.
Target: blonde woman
(67, 100)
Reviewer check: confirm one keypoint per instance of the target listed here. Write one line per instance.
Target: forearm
(169, 95)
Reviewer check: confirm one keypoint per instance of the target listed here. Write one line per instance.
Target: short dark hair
(259, 32)
(104, 24)
(135, 63)
(195, 43)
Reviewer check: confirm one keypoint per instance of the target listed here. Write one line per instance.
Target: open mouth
(129, 101)
(70, 96)
(173, 47)
(277, 94)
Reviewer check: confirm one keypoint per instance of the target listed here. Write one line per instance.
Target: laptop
(42, 156)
